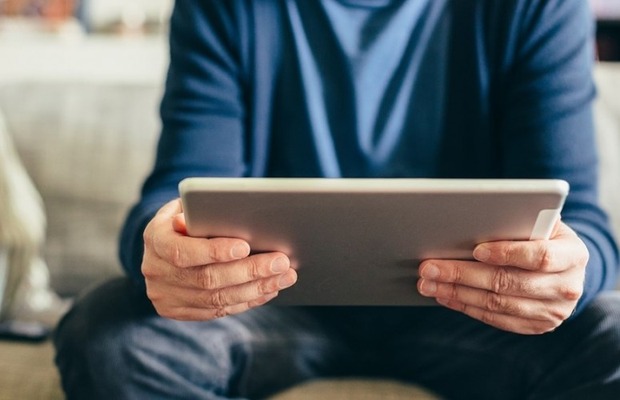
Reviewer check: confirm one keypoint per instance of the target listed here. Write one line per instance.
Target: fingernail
(430, 271)
(240, 250)
(279, 265)
(287, 280)
(428, 287)
(482, 253)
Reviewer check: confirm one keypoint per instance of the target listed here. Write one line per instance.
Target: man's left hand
(526, 287)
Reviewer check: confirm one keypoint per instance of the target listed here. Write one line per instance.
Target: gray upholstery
(87, 148)
(607, 118)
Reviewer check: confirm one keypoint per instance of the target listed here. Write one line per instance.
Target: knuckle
(213, 252)
(549, 320)
(148, 271)
(147, 236)
(453, 292)
(218, 300)
(457, 275)
(494, 302)
(570, 293)
(206, 279)
(221, 312)
(155, 296)
(176, 256)
(501, 282)
(158, 246)
(216, 252)
(265, 286)
(253, 268)
(556, 316)
(546, 258)
(506, 255)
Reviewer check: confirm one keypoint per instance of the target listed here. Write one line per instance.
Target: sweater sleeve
(202, 113)
(547, 123)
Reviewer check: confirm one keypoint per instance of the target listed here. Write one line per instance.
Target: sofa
(88, 146)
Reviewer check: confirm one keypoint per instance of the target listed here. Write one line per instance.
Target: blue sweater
(511, 97)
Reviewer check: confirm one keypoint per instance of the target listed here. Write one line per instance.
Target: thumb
(178, 223)
(174, 210)
(171, 208)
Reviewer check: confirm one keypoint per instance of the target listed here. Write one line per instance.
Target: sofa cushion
(607, 117)
(87, 148)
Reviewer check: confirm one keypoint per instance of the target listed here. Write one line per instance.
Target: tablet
(360, 241)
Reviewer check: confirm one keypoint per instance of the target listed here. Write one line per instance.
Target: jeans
(112, 345)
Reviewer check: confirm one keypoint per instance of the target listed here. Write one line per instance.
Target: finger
(563, 251)
(178, 224)
(202, 314)
(248, 291)
(170, 209)
(221, 275)
(502, 279)
(173, 210)
(535, 309)
(509, 323)
(218, 299)
(184, 252)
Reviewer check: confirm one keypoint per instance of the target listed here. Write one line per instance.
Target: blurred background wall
(91, 16)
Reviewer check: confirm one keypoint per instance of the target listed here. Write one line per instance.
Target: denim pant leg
(112, 345)
(460, 358)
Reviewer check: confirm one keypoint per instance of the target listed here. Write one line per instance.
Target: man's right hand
(197, 279)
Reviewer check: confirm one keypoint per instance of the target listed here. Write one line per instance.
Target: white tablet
(360, 241)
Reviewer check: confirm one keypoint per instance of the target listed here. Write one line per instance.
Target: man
(375, 88)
